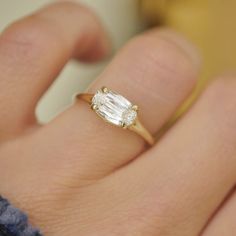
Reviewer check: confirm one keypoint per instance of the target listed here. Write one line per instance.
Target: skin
(81, 176)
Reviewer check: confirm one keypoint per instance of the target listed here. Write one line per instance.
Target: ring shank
(87, 97)
(137, 127)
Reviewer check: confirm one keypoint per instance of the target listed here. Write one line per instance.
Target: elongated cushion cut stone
(114, 108)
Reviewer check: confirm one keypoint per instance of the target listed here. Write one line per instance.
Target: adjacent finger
(34, 50)
(187, 176)
(156, 71)
(223, 222)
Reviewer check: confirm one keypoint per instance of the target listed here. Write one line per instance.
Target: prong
(124, 126)
(94, 107)
(135, 107)
(105, 89)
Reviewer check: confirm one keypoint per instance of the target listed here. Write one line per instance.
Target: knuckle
(162, 58)
(27, 39)
(71, 8)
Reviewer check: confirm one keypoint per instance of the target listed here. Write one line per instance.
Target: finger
(157, 71)
(34, 50)
(193, 168)
(223, 222)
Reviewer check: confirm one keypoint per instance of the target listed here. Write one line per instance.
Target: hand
(81, 176)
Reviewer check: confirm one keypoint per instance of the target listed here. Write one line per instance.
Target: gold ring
(117, 110)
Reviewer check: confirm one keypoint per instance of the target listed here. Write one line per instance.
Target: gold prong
(124, 126)
(94, 107)
(135, 107)
(104, 89)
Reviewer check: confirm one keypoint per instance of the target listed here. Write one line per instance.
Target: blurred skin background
(210, 24)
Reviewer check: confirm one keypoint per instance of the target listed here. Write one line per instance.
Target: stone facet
(99, 99)
(129, 116)
(114, 108)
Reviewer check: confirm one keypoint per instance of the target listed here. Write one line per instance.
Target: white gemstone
(114, 108)
(99, 99)
(129, 116)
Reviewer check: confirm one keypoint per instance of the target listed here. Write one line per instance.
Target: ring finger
(156, 71)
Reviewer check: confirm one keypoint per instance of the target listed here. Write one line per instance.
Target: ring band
(117, 110)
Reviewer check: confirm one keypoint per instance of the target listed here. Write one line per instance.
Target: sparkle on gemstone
(114, 108)
(99, 99)
(129, 116)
